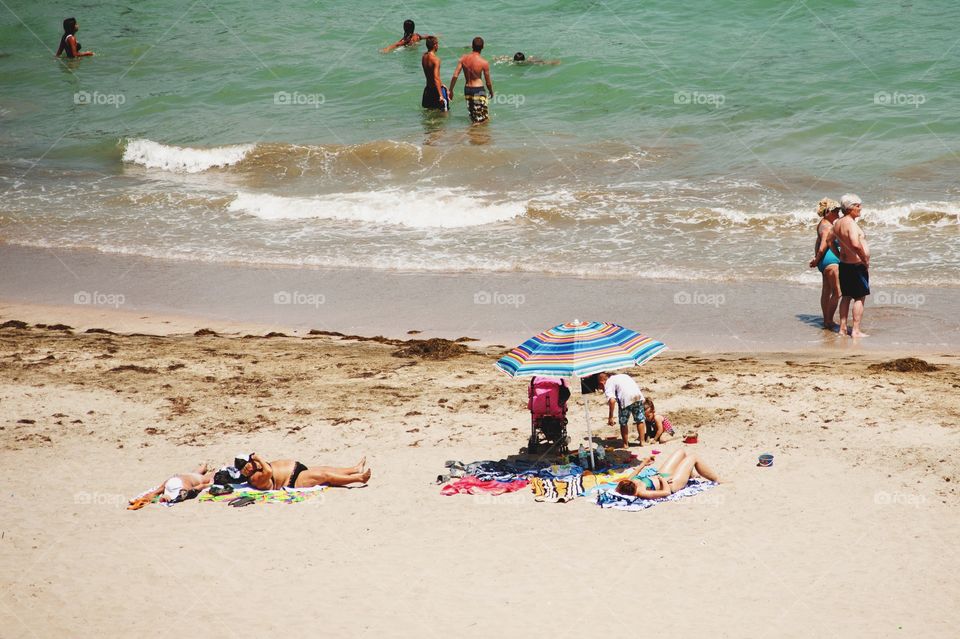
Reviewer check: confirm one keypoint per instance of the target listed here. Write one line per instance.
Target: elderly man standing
(623, 394)
(854, 264)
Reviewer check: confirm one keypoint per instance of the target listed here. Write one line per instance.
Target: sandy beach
(848, 534)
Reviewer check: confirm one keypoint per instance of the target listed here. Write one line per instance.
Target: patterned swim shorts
(477, 105)
(635, 409)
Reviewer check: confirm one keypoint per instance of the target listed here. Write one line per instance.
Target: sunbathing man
(176, 488)
(287, 473)
(670, 478)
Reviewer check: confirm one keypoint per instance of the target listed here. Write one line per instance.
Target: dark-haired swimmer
(68, 41)
(410, 37)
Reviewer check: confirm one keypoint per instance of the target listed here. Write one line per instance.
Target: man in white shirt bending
(623, 394)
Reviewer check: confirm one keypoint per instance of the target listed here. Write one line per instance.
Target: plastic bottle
(601, 453)
(583, 457)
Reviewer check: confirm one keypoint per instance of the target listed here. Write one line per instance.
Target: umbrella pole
(586, 415)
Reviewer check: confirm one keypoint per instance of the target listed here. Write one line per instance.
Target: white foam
(154, 155)
(423, 208)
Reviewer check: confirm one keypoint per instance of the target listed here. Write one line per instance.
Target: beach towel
(470, 485)
(282, 496)
(556, 490)
(608, 479)
(613, 499)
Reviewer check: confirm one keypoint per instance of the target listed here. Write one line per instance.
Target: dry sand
(849, 534)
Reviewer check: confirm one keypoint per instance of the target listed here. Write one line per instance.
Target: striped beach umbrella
(577, 349)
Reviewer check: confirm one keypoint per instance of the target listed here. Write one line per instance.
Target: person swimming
(410, 37)
(68, 41)
(519, 58)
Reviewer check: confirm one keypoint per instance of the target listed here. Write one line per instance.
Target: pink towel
(470, 485)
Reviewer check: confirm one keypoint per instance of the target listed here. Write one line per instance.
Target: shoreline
(495, 308)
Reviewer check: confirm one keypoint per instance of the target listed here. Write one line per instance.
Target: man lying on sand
(670, 478)
(275, 475)
(176, 488)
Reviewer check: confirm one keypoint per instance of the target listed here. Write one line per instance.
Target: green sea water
(700, 118)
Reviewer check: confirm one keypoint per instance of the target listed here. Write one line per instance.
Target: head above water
(70, 26)
(408, 27)
(478, 44)
(826, 206)
(849, 202)
(519, 57)
(432, 43)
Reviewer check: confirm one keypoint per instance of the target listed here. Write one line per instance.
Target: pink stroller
(548, 413)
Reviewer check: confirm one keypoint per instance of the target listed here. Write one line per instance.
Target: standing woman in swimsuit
(670, 478)
(827, 260)
(68, 41)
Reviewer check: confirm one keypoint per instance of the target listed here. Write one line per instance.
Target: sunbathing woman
(275, 475)
(672, 476)
(176, 488)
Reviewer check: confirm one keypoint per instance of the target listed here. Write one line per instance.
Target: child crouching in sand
(659, 429)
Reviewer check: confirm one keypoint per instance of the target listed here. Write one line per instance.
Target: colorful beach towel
(282, 496)
(470, 485)
(613, 499)
(556, 490)
(608, 479)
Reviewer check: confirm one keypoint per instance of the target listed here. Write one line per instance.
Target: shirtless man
(854, 264)
(434, 93)
(264, 475)
(476, 70)
(176, 488)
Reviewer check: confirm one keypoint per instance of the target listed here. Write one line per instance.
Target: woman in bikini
(670, 478)
(827, 260)
(287, 473)
(68, 41)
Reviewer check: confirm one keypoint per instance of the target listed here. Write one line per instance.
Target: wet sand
(503, 308)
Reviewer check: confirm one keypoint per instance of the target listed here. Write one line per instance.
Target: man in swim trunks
(287, 473)
(433, 93)
(475, 70)
(623, 394)
(854, 264)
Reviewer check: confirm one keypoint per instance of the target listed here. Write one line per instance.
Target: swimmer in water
(410, 37)
(520, 59)
(68, 41)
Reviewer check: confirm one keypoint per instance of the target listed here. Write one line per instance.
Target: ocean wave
(910, 215)
(422, 208)
(154, 155)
